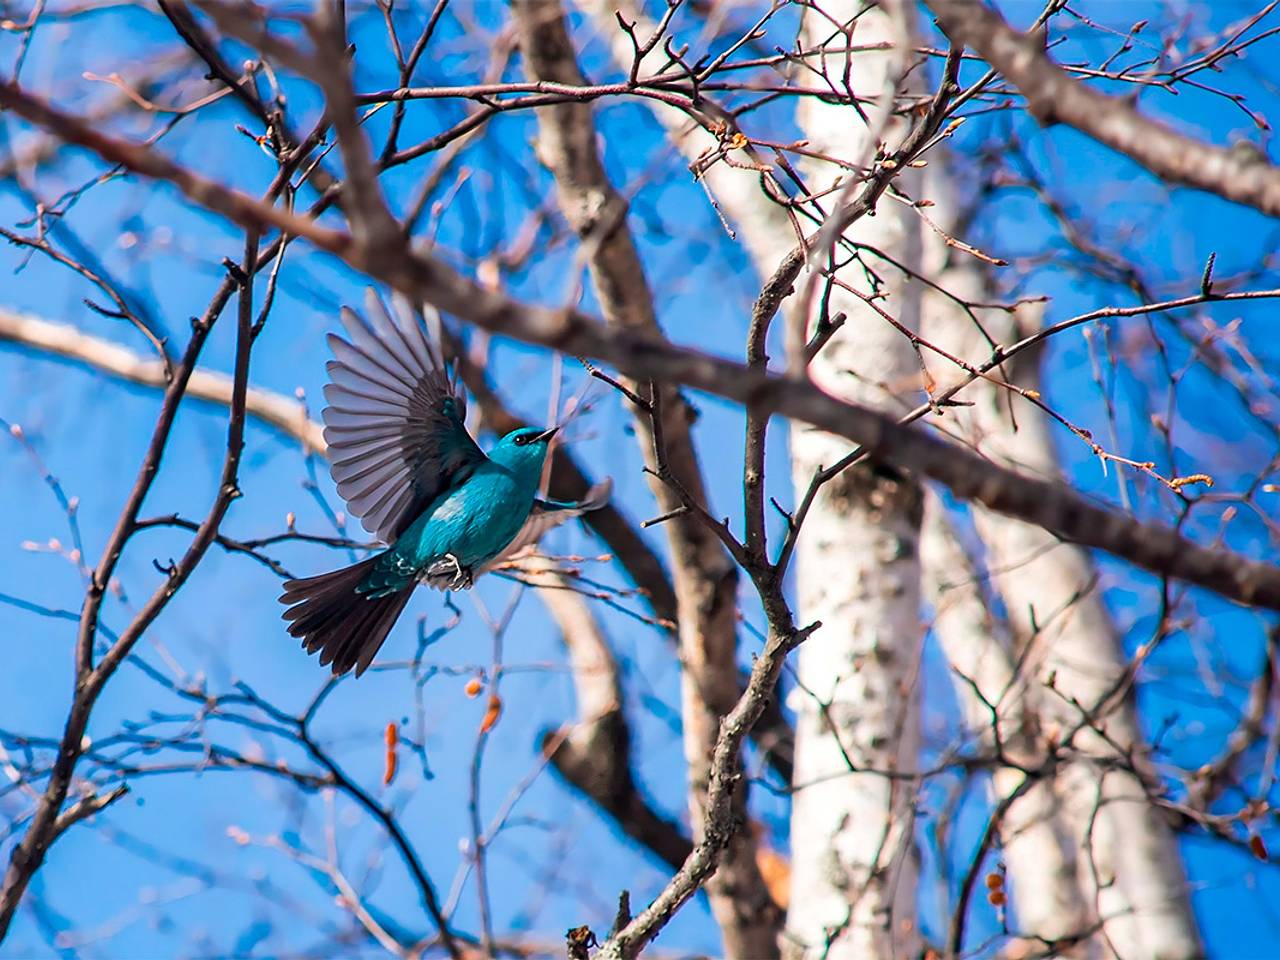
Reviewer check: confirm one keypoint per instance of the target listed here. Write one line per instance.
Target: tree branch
(1054, 97)
(1053, 506)
(719, 828)
(283, 413)
(705, 577)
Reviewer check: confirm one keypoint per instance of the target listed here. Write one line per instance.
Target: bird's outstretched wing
(394, 421)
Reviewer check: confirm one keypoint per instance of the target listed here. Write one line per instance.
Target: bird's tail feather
(346, 627)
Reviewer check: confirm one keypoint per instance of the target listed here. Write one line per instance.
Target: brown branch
(1054, 97)
(970, 477)
(185, 25)
(86, 807)
(272, 118)
(276, 410)
(594, 754)
(237, 207)
(705, 576)
(755, 540)
(1053, 506)
(720, 826)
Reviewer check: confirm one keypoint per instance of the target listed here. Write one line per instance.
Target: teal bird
(402, 459)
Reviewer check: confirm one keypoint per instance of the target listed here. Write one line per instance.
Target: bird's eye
(520, 441)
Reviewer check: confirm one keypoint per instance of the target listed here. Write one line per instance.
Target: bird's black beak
(547, 434)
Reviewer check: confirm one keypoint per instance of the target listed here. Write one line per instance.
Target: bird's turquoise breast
(472, 522)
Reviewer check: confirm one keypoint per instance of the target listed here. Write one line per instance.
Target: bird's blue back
(472, 521)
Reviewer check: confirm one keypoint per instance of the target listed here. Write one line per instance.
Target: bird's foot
(463, 578)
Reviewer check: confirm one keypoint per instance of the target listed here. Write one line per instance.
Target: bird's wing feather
(545, 515)
(394, 422)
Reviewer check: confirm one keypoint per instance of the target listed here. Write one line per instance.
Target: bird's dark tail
(346, 627)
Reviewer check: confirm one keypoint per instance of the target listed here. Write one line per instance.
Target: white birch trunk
(1128, 868)
(1039, 850)
(1042, 853)
(854, 866)
(853, 871)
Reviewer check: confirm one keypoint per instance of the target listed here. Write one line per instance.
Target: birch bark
(1038, 848)
(1056, 892)
(853, 879)
(1128, 868)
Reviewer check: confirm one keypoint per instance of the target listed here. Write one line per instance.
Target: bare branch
(704, 576)
(285, 414)
(720, 828)
(1049, 505)
(1053, 96)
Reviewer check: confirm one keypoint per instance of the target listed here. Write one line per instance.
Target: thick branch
(63, 340)
(719, 830)
(238, 207)
(705, 577)
(1053, 506)
(1054, 97)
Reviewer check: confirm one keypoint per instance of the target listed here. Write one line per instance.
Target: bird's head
(524, 450)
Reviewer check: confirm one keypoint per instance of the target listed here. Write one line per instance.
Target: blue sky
(558, 864)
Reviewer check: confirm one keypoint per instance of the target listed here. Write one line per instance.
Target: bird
(406, 466)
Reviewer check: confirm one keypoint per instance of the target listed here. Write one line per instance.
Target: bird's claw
(462, 576)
